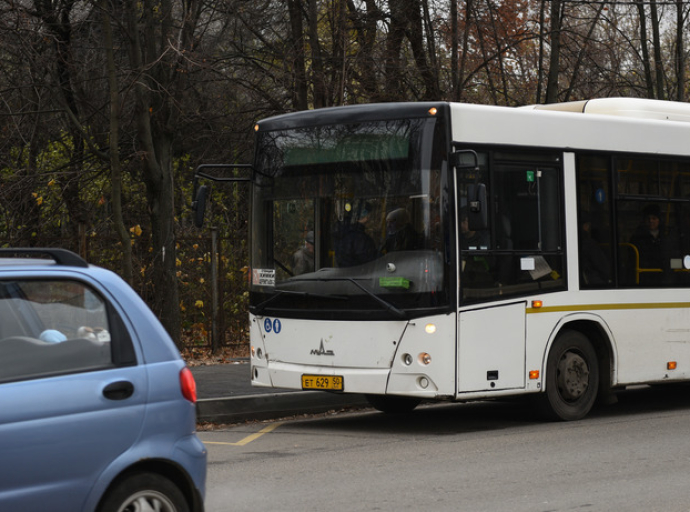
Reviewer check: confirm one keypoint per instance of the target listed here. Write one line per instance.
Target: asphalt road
(633, 456)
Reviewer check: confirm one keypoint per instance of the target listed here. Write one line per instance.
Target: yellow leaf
(199, 304)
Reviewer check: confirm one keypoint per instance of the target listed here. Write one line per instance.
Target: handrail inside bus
(638, 270)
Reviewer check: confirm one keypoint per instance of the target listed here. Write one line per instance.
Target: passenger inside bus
(653, 246)
(594, 265)
(304, 257)
(400, 235)
(353, 246)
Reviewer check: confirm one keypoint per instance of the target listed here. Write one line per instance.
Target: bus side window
(596, 240)
(522, 251)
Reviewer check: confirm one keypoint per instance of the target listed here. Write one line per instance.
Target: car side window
(53, 327)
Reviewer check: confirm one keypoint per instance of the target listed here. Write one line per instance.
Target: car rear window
(50, 327)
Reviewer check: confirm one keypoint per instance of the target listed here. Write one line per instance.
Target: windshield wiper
(386, 305)
(258, 309)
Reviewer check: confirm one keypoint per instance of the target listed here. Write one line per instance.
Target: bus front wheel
(393, 404)
(572, 378)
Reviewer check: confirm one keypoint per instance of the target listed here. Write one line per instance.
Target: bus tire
(393, 404)
(572, 378)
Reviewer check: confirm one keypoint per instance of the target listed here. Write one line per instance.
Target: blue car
(97, 409)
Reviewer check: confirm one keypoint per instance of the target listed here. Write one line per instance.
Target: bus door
(491, 348)
(510, 241)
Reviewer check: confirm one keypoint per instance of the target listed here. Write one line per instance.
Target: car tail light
(188, 384)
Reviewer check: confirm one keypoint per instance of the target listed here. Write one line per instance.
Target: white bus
(441, 251)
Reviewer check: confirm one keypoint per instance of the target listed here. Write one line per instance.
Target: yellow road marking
(250, 438)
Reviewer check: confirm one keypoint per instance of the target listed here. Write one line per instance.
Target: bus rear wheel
(572, 378)
(393, 404)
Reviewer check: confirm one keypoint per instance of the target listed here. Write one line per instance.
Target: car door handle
(119, 390)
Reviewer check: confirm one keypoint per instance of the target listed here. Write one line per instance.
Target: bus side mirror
(477, 208)
(477, 211)
(464, 159)
(199, 205)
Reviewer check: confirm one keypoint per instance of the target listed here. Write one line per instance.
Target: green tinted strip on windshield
(349, 149)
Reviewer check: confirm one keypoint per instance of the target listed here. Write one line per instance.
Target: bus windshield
(348, 220)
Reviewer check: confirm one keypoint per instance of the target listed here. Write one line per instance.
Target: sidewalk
(225, 395)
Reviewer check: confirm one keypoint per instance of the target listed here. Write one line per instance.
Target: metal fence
(212, 279)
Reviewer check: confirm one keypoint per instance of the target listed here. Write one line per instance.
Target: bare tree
(159, 38)
(555, 54)
(114, 147)
(295, 10)
(680, 60)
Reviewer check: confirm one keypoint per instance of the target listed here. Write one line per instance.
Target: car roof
(40, 256)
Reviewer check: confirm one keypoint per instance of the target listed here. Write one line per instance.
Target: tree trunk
(415, 35)
(454, 81)
(394, 42)
(542, 43)
(583, 52)
(658, 60)
(644, 44)
(555, 57)
(319, 77)
(299, 90)
(56, 16)
(156, 117)
(115, 165)
(680, 53)
(366, 32)
(465, 48)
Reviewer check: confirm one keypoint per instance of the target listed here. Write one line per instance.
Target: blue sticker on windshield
(276, 326)
(267, 325)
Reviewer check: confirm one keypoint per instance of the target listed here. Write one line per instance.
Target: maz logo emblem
(321, 351)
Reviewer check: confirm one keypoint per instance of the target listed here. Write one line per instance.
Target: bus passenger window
(595, 269)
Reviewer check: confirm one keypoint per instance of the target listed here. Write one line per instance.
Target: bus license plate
(322, 382)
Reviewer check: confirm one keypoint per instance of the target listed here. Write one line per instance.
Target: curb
(270, 406)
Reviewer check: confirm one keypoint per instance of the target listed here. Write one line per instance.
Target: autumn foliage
(107, 107)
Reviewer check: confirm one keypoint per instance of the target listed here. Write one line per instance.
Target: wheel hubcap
(573, 376)
(148, 501)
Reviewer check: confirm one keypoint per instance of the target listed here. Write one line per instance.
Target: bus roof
(631, 125)
(625, 125)
(626, 107)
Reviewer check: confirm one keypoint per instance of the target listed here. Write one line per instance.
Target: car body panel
(65, 437)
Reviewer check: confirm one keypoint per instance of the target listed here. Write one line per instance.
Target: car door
(72, 397)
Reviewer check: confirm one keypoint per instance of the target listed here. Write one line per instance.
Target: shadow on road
(449, 418)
